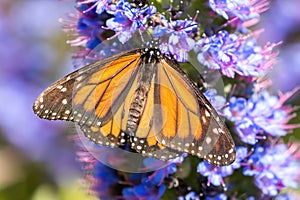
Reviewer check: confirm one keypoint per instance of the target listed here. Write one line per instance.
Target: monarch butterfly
(141, 98)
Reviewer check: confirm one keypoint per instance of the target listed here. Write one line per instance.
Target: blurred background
(36, 159)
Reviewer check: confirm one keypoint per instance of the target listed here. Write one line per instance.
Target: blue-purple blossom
(217, 197)
(194, 196)
(107, 178)
(148, 186)
(215, 174)
(174, 38)
(216, 100)
(151, 186)
(100, 5)
(190, 195)
(260, 113)
(86, 29)
(273, 169)
(243, 10)
(127, 19)
(233, 54)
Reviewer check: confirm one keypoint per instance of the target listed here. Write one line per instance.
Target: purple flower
(233, 54)
(273, 169)
(145, 190)
(215, 174)
(175, 38)
(103, 180)
(86, 27)
(242, 10)
(190, 196)
(127, 19)
(149, 186)
(289, 56)
(217, 197)
(86, 30)
(262, 112)
(194, 196)
(106, 179)
(100, 5)
(216, 100)
(109, 183)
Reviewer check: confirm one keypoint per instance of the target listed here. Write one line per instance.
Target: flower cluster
(215, 174)
(273, 169)
(109, 183)
(239, 11)
(234, 54)
(177, 43)
(257, 117)
(261, 114)
(97, 21)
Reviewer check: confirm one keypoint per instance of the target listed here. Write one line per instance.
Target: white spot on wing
(64, 101)
(139, 147)
(79, 78)
(208, 140)
(207, 114)
(203, 119)
(215, 130)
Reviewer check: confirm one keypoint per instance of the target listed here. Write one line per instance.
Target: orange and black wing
(185, 120)
(95, 97)
(176, 118)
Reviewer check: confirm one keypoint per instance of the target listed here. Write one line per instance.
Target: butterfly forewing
(140, 98)
(58, 100)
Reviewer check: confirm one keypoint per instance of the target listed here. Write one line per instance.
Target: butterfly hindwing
(186, 121)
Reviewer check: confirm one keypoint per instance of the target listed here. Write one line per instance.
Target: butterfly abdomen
(136, 109)
(137, 105)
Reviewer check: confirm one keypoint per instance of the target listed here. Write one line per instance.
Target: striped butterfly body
(143, 99)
